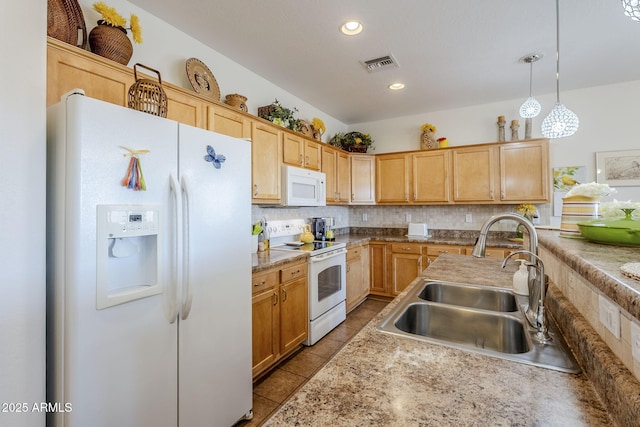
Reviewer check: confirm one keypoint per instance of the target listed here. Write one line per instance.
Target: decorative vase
(236, 100)
(428, 140)
(111, 42)
(576, 209)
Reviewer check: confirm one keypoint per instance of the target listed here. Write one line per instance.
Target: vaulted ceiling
(450, 53)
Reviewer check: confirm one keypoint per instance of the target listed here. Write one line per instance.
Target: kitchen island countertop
(382, 379)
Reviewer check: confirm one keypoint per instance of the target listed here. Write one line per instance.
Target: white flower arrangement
(614, 209)
(591, 189)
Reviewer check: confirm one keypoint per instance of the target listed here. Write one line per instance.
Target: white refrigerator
(148, 270)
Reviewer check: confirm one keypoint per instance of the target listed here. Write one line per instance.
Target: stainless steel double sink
(481, 319)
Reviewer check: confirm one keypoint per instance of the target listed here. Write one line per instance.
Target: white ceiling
(452, 53)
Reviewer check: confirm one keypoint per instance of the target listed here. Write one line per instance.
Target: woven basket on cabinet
(111, 42)
(147, 95)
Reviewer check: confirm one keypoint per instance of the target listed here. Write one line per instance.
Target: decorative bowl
(613, 231)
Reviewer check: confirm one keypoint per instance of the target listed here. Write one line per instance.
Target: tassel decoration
(134, 179)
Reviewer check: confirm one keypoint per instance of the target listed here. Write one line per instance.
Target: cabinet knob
(307, 160)
(443, 252)
(255, 189)
(301, 162)
(284, 295)
(275, 298)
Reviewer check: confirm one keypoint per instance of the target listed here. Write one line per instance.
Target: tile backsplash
(443, 217)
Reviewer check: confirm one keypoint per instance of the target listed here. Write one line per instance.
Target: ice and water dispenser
(128, 250)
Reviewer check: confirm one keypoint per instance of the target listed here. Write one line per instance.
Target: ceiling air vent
(379, 64)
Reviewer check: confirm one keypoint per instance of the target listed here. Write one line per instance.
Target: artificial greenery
(283, 116)
(347, 140)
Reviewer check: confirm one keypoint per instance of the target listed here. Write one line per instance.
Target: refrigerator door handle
(187, 295)
(174, 285)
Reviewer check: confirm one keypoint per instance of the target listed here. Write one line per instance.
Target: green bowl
(614, 231)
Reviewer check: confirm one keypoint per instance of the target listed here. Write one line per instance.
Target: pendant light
(561, 121)
(632, 9)
(530, 107)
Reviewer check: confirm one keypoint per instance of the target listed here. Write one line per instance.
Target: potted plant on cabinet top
(279, 115)
(355, 142)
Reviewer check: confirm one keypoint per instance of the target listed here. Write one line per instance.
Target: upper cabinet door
(362, 179)
(265, 163)
(524, 172)
(474, 174)
(292, 150)
(431, 176)
(392, 178)
(226, 122)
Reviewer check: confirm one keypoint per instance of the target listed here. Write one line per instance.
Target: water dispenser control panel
(130, 223)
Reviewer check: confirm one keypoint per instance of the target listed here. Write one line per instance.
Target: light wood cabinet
(392, 178)
(279, 314)
(516, 172)
(431, 176)
(265, 320)
(378, 276)
(433, 251)
(474, 178)
(335, 164)
(405, 264)
(524, 172)
(357, 285)
(294, 320)
(362, 179)
(227, 122)
(300, 152)
(265, 163)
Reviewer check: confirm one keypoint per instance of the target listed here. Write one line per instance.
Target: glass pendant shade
(530, 108)
(632, 9)
(560, 122)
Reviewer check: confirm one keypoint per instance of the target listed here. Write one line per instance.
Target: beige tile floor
(270, 392)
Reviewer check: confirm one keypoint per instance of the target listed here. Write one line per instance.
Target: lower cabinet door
(265, 324)
(294, 317)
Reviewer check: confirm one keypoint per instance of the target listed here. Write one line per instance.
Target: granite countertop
(382, 379)
(262, 261)
(600, 265)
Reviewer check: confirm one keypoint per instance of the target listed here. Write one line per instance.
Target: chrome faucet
(534, 313)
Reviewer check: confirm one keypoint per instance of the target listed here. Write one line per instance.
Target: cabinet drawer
(437, 250)
(293, 272)
(263, 281)
(406, 248)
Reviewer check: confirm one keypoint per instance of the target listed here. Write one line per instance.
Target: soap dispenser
(521, 279)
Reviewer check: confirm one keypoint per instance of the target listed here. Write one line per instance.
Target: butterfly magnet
(216, 159)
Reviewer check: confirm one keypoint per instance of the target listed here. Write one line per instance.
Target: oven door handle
(328, 255)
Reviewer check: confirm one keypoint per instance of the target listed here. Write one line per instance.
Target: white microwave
(303, 187)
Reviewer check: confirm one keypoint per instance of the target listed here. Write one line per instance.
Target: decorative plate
(201, 79)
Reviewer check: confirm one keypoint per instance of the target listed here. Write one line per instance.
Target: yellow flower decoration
(527, 210)
(109, 14)
(111, 17)
(428, 127)
(318, 124)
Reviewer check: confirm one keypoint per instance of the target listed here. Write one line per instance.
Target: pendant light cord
(530, 75)
(558, 50)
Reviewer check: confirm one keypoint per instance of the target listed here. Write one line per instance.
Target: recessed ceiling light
(396, 86)
(351, 28)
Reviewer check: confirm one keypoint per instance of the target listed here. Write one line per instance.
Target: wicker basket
(358, 148)
(111, 42)
(265, 112)
(147, 95)
(64, 20)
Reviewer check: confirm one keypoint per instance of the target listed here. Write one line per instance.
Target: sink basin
(464, 326)
(470, 296)
(476, 318)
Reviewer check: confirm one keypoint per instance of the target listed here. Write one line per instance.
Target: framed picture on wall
(618, 168)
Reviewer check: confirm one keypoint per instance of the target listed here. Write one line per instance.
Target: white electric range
(327, 275)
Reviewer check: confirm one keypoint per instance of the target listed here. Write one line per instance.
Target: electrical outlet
(408, 217)
(365, 217)
(609, 315)
(468, 217)
(635, 341)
